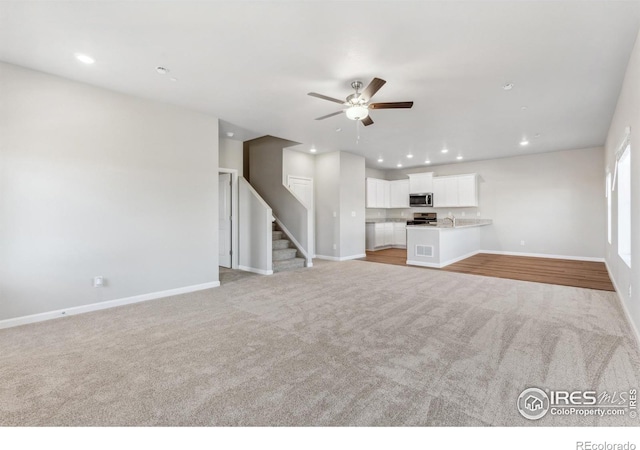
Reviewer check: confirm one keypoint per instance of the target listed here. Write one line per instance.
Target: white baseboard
(341, 258)
(459, 258)
(254, 270)
(543, 255)
(8, 323)
(423, 264)
(636, 334)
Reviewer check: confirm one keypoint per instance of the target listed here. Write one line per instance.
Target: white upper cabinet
(420, 183)
(455, 191)
(378, 193)
(399, 194)
(372, 193)
(468, 190)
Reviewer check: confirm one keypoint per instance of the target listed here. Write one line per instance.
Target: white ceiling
(252, 63)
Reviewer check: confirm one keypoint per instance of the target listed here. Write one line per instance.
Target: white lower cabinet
(386, 234)
(399, 234)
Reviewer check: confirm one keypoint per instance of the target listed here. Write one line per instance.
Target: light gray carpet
(351, 343)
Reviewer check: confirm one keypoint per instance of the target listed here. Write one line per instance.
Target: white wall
(352, 205)
(255, 243)
(327, 186)
(231, 155)
(297, 164)
(552, 201)
(93, 183)
(340, 191)
(627, 113)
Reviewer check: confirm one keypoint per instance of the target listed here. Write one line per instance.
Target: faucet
(452, 218)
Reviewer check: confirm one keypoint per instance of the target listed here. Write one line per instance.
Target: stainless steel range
(429, 218)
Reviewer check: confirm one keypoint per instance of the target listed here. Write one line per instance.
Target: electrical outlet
(478, 214)
(522, 243)
(629, 291)
(462, 214)
(98, 281)
(335, 247)
(353, 213)
(335, 214)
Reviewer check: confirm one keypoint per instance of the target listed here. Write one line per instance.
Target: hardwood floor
(396, 256)
(584, 274)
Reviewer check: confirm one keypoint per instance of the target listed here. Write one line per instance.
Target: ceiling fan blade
(391, 105)
(373, 87)
(329, 115)
(324, 97)
(367, 121)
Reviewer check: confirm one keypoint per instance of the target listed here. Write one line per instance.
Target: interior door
(224, 218)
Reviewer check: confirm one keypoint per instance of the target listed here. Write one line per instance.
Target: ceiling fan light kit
(357, 104)
(357, 112)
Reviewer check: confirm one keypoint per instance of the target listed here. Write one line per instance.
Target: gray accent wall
(93, 182)
(627, 114)
(266, 168)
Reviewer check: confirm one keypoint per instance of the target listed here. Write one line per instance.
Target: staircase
(284, 254)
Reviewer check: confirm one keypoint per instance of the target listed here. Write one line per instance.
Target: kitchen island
(443, 244)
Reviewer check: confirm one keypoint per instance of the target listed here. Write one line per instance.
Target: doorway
(302, 188)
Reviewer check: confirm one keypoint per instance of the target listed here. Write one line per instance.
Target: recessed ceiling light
(444, 150)
(427, 162)
(380, 160)
(84, 58)
(399, 165)
(507, 86)
(524, 108)
(230, 133)
(162, 70)
(537, 135)
(312, 150)
(173, 79)
(338, 130)
(409, 156)
(458, 157)
(524, 142)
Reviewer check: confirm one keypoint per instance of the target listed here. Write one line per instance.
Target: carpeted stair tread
(288, 264)
(280, 244)
(284, 253)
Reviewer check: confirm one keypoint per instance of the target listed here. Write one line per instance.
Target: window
(608, 195)
(624, 205)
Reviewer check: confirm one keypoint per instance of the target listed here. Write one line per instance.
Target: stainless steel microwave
(416, 200)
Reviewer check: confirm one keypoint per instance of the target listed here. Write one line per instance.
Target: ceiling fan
(358, 104)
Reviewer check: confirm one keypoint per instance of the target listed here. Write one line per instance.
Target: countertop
(460, 223)
(402, 220)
